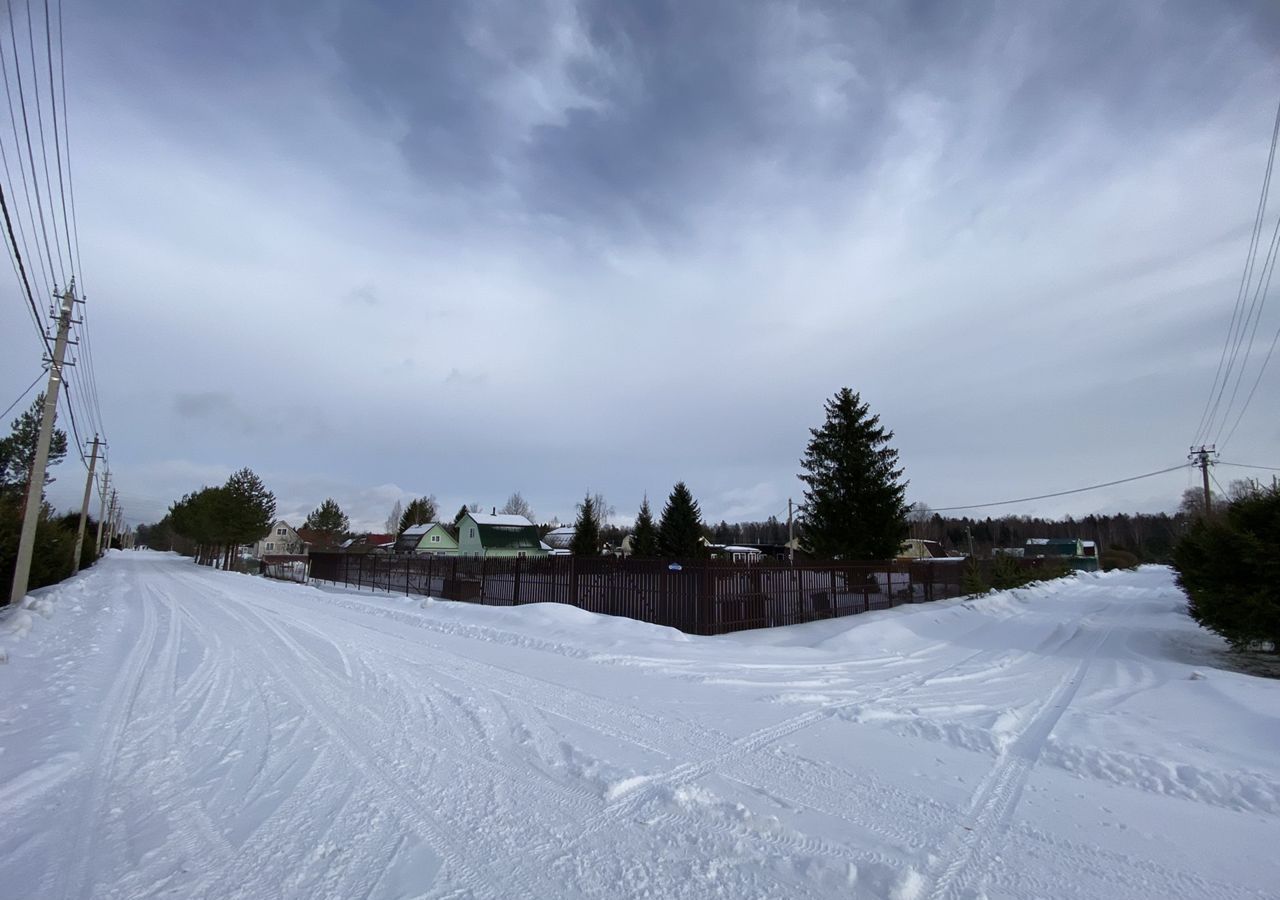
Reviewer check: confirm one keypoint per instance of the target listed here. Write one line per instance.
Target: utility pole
(35, 488)
(1201, 456)
(791, 535)
(84, 509)
(111, 521)
(969, 534)
(102, 510)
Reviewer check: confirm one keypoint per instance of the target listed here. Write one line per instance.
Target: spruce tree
(1228, 567)
(18, 450)
(680, 529)
(854, 506)
(329, 518)
(644, 539)
(461, 512)
(250, 507)
(586, 535)
(419, 512)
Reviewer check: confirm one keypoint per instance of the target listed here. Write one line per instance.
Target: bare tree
(600, 506)
(1243, 488)
(393, 518)
(918, 516)
(1193, 502)
(516, 505)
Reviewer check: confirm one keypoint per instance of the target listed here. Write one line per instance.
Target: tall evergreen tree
(854, 506)
(419, 512)
(680, 529)
(461, 512)
(251, 507)
(18, 450)
(644, 539)
(329, 518)
(586, 535)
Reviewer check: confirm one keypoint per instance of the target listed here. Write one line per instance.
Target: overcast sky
(375, 251)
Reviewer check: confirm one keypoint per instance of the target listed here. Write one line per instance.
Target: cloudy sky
(376, 250)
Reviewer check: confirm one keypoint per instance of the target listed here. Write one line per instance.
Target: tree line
(55, 538)
(212, 523)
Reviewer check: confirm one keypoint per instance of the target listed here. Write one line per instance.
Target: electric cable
(1092, 487)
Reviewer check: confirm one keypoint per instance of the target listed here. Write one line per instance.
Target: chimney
(495, 511)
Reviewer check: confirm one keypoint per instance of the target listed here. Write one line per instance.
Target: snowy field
(169, 731)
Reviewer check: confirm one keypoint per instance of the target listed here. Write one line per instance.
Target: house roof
(569, 530)
(509, 521)
(317, 537)
(506, 531)
(418, 529)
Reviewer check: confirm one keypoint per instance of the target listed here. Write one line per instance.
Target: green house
(502, 536)
(1079, 555)
(431, 539)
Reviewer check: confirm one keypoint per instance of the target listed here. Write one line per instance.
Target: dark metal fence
(702, 597)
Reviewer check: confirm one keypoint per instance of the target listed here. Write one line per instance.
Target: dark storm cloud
(388, 249)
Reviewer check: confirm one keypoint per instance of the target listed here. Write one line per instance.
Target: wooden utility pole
(791, 534)
(1202, 457)
(102, 510)
(84, 509)
(35, 487)
(111, 521)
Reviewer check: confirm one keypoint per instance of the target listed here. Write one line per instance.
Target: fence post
(515, 585)
(483, 582)
(406, 576)
(710, 610)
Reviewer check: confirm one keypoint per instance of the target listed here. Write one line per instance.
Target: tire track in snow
(100, 761)
(1125, 874)
(569, 796)
(628, 797)
(396, 794)
(564, 701)
(968, 847)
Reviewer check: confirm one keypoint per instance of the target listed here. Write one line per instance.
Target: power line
(1216, 391)
(22, 396)
(1253, 390)
(44, 148)
(1221, 489)
(26, 129)
(22, 171)
(17, 254)
(1259, 301)
(1243, 466)
(66, 138)
(57, 140)
(1092, 487)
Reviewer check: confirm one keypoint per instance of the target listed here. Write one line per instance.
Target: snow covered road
(167, 730)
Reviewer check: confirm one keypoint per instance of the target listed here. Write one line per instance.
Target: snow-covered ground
(173, 731)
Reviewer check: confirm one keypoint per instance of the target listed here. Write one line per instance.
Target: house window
(271, 545)
(435, 538)
(472, 532)
(279, 531)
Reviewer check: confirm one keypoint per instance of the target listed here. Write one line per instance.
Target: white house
(280, 539)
